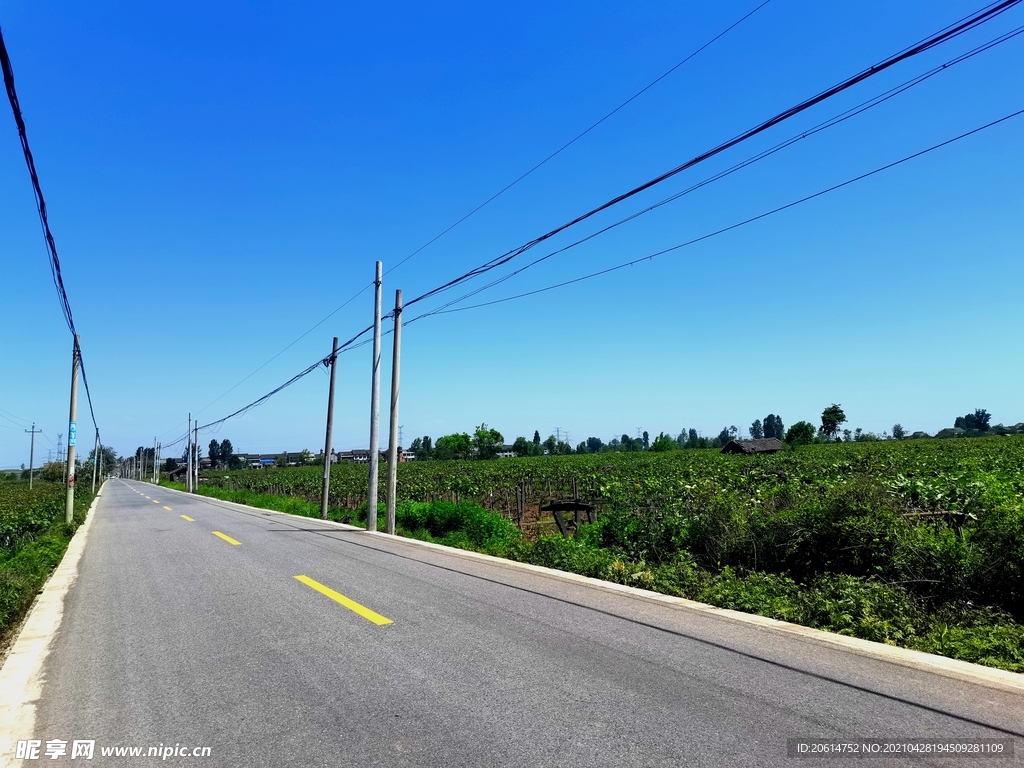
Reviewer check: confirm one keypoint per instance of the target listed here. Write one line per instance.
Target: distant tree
(536, 437)
(562, 448)
(614, 445)
(522, 446)
(551, 445)
(487, 442)
(305, 457)
(421, 448)
(647, 440)
(898, 433)
(801, 433)
(170, 465)
(773, 426)
(108, 460)
(227, 454)
(756, 430)
(723, 438)
(979, 420)
(847, 435)
(663, 443)
(594, 445)
(831, 419)
(213, 451)
(455, 446)
(197, 453)
(630, 444)
(428, 447)
(734, 432)
(51, 472)
(283, 459)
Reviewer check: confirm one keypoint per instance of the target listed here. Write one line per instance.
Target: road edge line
(21, 674)
(929, 662)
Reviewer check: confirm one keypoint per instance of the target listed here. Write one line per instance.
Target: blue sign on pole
(72, 433)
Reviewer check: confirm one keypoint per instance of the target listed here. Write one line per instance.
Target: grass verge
(27, 560)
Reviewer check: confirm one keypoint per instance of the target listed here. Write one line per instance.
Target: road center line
(186, 517)
(168, 508)
(155, 501)
(228, 539)
(352, 605)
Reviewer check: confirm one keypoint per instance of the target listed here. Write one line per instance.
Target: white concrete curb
(21, 675)
(929, 662)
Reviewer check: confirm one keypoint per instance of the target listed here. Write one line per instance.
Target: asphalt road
(177, 635)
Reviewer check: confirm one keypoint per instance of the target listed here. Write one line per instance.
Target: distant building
(748, 447)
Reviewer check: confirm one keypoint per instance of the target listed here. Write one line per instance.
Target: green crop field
(33, 538)
(917, 543)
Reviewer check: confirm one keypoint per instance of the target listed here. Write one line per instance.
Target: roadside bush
(465, 525)
(861, 608)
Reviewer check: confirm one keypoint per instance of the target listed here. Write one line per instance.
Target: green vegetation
(918, 543)
(33, 538)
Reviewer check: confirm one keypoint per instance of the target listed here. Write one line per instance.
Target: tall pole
(188, 457)
(69, 507)
(371, 495)
(32, 453)
(389, 525)
(195, 460)
(154, 462)
(330, 429)
(95, 460)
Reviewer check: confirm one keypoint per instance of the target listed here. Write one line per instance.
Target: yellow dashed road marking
(228, 539)
(352, 605)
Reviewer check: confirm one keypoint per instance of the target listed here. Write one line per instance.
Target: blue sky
(221, 176)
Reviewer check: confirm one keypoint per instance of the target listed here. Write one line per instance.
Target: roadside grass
(33, 539)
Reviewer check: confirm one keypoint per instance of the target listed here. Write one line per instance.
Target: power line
(831, 122)
(926, 44)
(495, 196)
(12, 418)
(51, 246)
(752, 219)
(584, 133)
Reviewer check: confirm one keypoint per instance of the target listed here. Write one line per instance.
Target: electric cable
(723, 230)
(944, 35)
(831, 122)
(51, 245)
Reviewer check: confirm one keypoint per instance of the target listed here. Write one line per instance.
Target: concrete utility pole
(389, 524)
(95, 459)
(371, 494)
(188, 456)
(32, 452)
(330, 430)
(69, 507)
(195, 461)
(155, 465)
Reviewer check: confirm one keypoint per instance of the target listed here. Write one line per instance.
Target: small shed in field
(748, 447)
